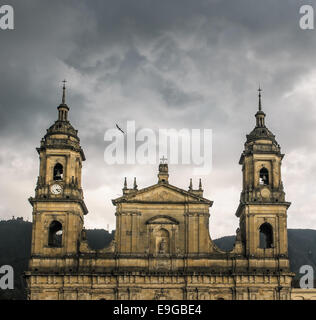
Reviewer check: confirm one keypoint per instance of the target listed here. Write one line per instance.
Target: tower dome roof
(260, 139)
(62, 134)
(260, 132)
(62, 127)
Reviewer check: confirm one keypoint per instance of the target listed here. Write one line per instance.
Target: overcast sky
(165, 64)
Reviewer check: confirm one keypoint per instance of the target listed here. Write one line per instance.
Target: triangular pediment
(161, 193)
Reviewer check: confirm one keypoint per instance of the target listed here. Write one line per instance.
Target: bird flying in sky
(120, 129)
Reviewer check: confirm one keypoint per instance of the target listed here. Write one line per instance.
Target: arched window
(58, 172)
(55, 234)
(264, 176)
(266, 236)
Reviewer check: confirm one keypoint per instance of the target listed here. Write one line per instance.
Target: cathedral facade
(162, 247)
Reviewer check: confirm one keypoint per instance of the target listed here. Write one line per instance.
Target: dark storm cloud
(165, 64)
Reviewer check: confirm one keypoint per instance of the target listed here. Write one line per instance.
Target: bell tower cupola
(63, 108)
(260, 115)
(261, 163)
(163, 174)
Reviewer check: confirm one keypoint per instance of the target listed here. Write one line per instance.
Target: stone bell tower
(58, 206)
(263, 209)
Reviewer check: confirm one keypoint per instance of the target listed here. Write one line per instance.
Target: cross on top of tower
(163, 160)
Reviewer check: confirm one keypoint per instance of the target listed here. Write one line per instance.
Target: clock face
(265, 193)
(56, 189)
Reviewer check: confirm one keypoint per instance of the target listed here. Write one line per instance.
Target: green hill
(15, 249)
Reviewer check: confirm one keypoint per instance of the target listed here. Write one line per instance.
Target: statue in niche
(83, 234)
(238, 234)
(162, 241)
(113, 246)
(163, 246)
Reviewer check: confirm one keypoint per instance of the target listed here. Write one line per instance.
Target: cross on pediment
(163, 160)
